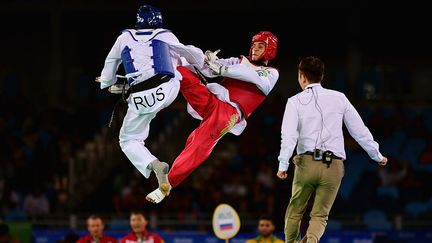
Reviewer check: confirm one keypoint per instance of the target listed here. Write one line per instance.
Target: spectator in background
(139, 233)
(95, 227)
(393, 174)
(132, 196)
(36, 203)
(391, 179)
(10, 203)
(5, 236)
(266, 228)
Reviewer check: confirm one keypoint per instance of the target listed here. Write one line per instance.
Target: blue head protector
(148, 16)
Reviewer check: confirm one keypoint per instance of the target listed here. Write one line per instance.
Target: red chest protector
(246, 95)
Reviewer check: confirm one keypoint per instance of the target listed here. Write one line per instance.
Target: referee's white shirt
(313, 119)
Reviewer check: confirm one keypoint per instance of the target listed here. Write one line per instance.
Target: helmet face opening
(149, 16)
(271, 43)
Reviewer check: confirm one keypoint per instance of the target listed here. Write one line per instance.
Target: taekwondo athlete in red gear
(151, 74)
(222, 107)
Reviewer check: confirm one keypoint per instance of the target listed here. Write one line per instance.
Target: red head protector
(271, 42)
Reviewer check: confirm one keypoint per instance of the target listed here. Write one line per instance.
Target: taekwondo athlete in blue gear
(150, 67)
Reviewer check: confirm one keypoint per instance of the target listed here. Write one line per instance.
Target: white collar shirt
(314, 118)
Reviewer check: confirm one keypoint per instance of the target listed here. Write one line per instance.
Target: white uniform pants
(142, 108)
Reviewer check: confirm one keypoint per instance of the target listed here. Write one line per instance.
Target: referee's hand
(282, 174)
(383, 161)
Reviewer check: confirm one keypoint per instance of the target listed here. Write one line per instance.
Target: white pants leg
(142, 108)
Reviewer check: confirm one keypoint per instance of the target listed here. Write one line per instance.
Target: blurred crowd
(57, 159)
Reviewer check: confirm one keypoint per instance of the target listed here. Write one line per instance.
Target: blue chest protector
(162, 63)
(127, 60)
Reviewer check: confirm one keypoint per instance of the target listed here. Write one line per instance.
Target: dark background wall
(49, 43)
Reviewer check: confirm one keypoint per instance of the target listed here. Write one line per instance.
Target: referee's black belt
(312, 154)
(150, 83)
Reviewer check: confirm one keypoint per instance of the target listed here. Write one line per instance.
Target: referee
(313, 122)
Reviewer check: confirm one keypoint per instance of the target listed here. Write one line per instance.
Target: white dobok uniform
(144, 105)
